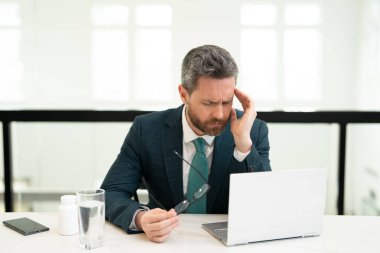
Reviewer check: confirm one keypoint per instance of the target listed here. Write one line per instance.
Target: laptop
(273, 205)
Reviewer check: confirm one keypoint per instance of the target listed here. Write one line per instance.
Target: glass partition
(53, 159)
(305, 146)
(363, 169)
(2, 203)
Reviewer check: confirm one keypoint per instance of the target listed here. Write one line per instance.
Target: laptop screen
(276, 205)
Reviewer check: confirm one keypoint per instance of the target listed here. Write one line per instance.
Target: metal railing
(342, 118)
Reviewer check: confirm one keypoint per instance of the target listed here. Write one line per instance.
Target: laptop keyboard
(221, 233)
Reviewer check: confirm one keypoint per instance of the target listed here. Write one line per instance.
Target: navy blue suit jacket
(148, 151)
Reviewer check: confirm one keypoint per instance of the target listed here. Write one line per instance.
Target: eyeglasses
(182, 206)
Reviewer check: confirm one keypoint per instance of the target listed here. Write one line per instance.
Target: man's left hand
(241, 128)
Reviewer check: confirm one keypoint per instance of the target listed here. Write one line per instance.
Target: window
(375, 20)
(259, 51)
(259, 63)
(302, 63)
(11, 68)
(110, 52)
(281, 51)
(131, 53)
(378, 52)
(153, 53)
(258, 15)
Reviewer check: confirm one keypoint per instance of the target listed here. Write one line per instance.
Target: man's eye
(207, 103)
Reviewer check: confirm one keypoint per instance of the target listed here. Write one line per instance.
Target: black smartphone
(25, 226)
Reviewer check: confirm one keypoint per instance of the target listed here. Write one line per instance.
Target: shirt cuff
(133, 226)
(239, 155)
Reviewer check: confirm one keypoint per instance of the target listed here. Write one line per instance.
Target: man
(205, 128)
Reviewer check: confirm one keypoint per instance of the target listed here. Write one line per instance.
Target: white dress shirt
(189, 149)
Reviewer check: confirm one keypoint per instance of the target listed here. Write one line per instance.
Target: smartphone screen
(25, 226)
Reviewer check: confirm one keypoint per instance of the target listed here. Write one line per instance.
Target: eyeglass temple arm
(151, 193)
(192, 166)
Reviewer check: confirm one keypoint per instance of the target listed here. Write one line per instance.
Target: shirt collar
(188, 133)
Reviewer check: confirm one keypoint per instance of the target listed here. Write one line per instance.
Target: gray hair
(207, 61)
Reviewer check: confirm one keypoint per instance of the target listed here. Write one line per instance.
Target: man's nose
(218, 112)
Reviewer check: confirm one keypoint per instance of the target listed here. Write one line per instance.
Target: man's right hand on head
(157, 223)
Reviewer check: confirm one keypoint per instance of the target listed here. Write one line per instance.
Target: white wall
(56, 50)
(340, 66)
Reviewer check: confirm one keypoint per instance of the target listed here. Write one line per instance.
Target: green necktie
(195, 181)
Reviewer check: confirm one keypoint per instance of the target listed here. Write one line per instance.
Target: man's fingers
(161, 225)
(157, 215)
(159, 239)
(244, 99)
(158, 224)
(164, 230)
(233, 115)
(247, 103)
(163, 237)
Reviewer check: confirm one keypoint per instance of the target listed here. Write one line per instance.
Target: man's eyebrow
(208, 100)
(229, 100)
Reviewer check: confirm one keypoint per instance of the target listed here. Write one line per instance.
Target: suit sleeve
(258, 159)
(122, 181)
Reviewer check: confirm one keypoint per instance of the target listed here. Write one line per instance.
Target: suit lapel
(172, 139)
(223, 150)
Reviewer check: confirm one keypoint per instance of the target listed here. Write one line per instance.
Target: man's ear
(183, 93)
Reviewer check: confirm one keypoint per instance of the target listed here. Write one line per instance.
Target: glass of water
(91, 218)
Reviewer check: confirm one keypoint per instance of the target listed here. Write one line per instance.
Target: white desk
(341, 234)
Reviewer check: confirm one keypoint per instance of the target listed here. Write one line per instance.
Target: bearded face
(212, 126)
(209, 105)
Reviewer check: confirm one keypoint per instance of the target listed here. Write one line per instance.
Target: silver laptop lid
(275, 205)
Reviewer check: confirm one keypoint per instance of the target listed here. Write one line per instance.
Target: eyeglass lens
(181, 207)
(201, 191)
